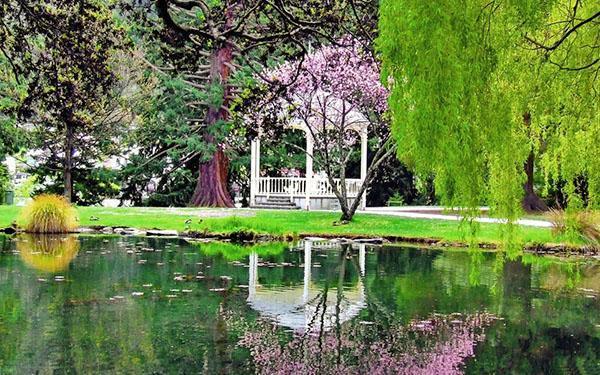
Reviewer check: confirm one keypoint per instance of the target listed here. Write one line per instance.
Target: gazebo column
(362, 258)
(309, 170)
(254, 169)
(252, 275)
(364, 139)
(307, 269)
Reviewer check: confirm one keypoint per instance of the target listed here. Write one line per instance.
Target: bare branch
(565, 35)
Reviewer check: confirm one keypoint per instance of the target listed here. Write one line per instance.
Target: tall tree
(224, 35)
(63, 50)
(480, 89)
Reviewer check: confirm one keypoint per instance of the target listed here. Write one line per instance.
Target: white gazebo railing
(301, 186)
(312, 186)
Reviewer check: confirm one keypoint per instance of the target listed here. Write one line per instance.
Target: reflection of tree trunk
(531, 201)
(340, 295)
(517, 284)
(222, 360)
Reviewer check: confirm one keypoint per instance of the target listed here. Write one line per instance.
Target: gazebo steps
(277, 203)
(294, 207)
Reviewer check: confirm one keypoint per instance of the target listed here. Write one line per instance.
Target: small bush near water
(48, 213)
(584, 224)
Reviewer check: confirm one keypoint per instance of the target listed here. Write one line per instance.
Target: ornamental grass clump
(49, 213)
(584, 225)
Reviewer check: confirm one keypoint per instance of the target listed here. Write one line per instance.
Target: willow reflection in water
(151, 305)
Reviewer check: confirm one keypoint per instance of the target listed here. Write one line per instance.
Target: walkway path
(429, 212)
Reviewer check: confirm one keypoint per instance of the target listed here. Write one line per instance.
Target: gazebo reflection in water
(308, 307)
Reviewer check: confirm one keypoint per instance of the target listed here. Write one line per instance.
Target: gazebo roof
(333, 109)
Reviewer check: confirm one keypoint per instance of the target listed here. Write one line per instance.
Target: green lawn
(287, 222)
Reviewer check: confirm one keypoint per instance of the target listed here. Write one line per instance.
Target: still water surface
(93, 304)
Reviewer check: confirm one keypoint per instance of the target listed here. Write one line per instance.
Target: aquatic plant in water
(49, 213)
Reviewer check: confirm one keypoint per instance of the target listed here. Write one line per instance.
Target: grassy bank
(285, 223)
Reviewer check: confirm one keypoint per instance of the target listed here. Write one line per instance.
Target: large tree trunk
(211, 187)
(531, 201)
(68, 163)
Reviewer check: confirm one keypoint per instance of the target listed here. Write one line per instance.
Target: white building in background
(18, 177)
(16, 170)
(11, 164)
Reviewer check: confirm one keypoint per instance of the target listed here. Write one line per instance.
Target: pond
(95, 304)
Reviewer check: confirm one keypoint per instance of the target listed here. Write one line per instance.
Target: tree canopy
(477, 86)
(61, 52)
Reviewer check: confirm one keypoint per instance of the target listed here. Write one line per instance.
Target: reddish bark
(211, 187)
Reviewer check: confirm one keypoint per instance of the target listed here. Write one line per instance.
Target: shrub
(584, 224)
(48, 213)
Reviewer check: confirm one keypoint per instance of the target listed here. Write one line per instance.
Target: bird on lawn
(94, 218)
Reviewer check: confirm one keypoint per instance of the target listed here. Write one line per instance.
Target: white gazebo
(311, 191)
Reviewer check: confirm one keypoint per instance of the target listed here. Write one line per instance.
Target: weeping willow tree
(482, 91)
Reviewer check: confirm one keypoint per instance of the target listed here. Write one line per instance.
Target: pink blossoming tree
(334, 95)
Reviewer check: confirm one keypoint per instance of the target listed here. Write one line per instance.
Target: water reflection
(153, 305)
(309, 306)
(47, 253)
(326, 337)
(437, 345)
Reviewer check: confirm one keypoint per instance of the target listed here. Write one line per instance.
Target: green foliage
(12, 92)
(49, 213)
(474, 89)
(91, 185)
(172, 158)
(395, 184)
(26, 188)
(65, 62)
(4, 182)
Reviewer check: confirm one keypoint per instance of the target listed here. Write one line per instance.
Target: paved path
(408, 212)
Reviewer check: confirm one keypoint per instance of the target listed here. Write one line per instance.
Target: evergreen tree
(63, 51)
